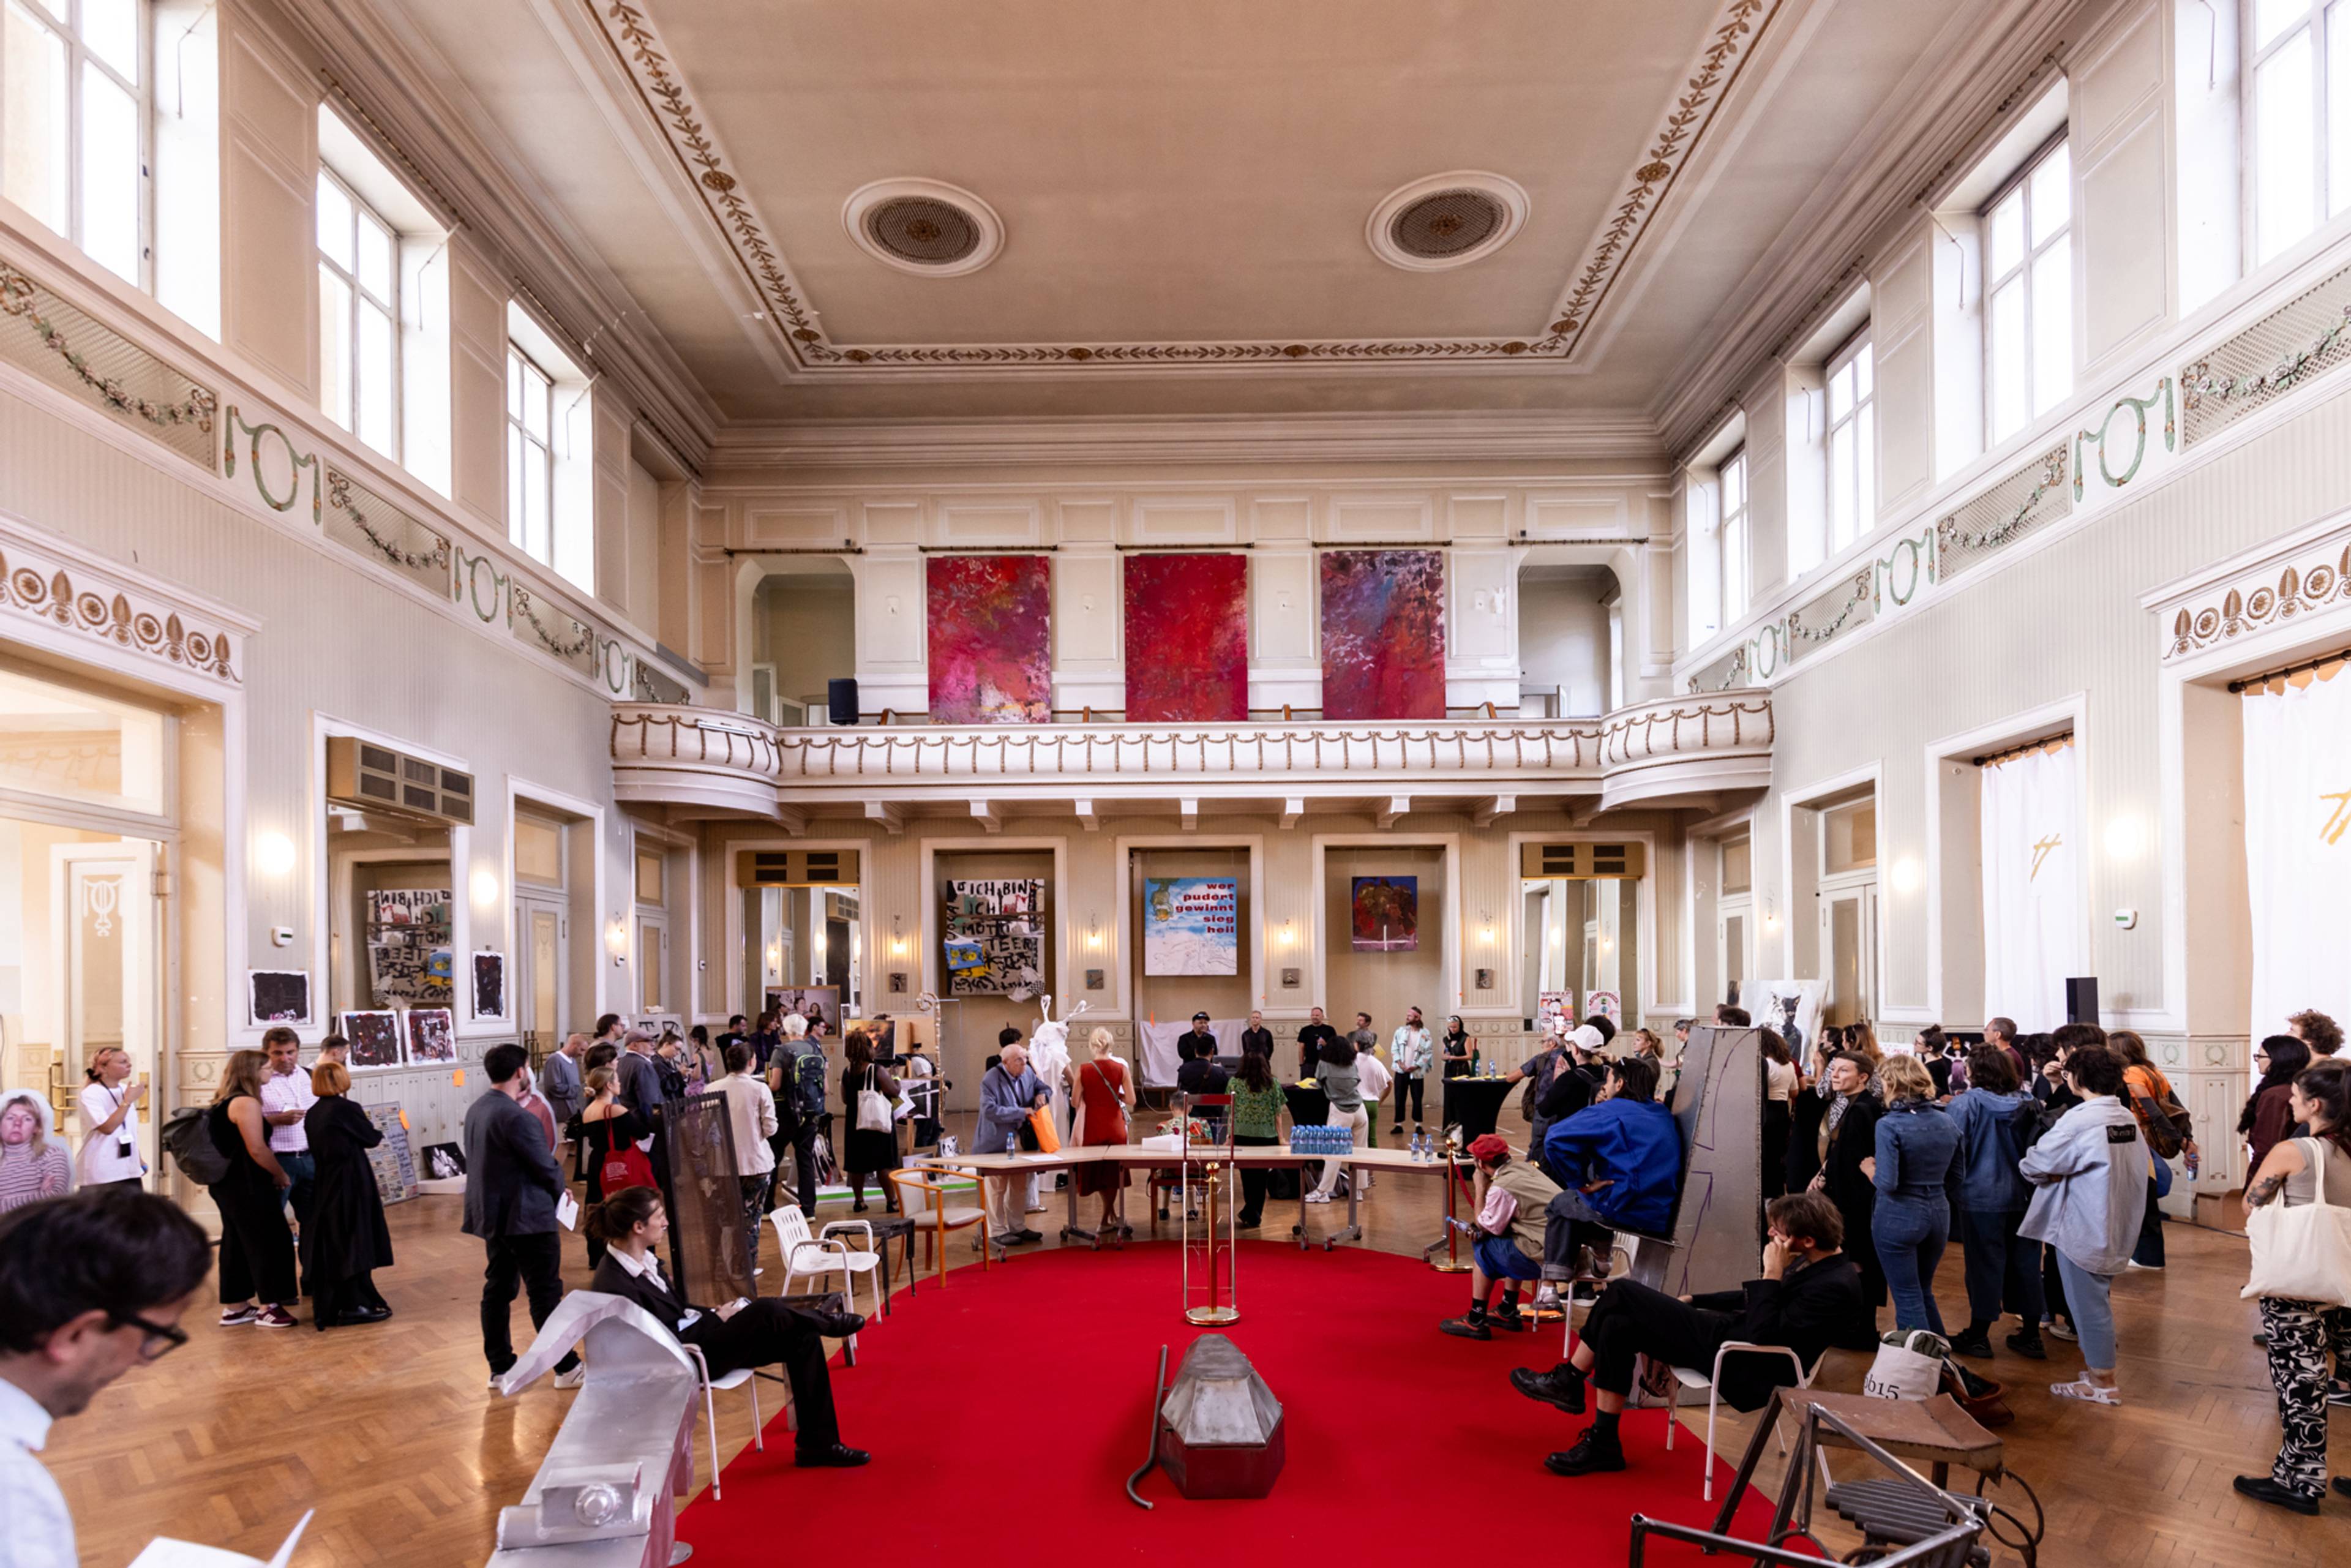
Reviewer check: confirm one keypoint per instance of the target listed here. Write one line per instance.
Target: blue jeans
(2003, 1269)
(2092, 1307)
(1910, 1234)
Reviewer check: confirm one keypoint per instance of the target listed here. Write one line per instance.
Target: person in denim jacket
(1917, 1145)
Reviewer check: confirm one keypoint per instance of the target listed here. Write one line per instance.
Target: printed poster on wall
(1385, 915)
(1191, 925)
(1001, 919)
(410, 964)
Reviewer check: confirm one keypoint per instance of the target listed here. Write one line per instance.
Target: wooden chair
(804, 1254)
(924, 1191)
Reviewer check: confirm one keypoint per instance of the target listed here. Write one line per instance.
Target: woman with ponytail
(630, 1226)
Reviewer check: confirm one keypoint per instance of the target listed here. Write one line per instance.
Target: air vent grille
(361, 773)
(1582, 861)
(925, 232)
(796, 868)
(1447, 223)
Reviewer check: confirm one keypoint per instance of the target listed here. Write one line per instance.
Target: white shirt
(1779, 1080)
(37, 1531)
(649, 1268)
(751, 1106)
(289, 1093)
(1372, 1075)
(102, 1158)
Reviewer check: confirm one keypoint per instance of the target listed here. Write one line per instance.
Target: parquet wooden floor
(390, 1435)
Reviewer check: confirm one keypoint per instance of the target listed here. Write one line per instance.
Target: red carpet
(1005, 1411)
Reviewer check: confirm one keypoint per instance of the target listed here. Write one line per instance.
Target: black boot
(1561, 1386)
(2261, 1489)
(1595, 1451)
(1972, 1340)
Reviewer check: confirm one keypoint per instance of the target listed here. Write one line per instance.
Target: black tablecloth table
(1474, 1104)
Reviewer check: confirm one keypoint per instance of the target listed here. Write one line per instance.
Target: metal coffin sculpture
(1220, 1427)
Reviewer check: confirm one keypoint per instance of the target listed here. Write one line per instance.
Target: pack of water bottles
(1321, 1140)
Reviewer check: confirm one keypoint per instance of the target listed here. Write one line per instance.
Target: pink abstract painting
(991, 639)
(1382, 634)
(1187, 639)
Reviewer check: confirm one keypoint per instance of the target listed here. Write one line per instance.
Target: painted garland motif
(18, 293)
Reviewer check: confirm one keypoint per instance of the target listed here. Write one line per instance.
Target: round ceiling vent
(924, 226)
(1446, 220)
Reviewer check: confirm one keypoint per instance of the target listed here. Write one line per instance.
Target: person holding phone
(742, 1334)
(110, 1112)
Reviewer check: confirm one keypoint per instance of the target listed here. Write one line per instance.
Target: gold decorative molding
(44, 581)
(2260, 600)
(628, 27)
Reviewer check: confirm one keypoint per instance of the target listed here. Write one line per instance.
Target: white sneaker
(573, 1378)
(1318, 1198)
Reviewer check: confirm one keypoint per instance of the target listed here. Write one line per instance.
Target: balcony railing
(731, 763)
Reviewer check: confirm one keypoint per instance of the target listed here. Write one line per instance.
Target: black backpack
(187, 1136)
(806, 1079)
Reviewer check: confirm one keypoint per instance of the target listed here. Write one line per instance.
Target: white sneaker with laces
(573, 1378)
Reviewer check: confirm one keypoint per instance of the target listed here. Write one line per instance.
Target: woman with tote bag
(2298, 1216)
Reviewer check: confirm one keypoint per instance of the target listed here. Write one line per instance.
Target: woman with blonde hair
(1104, 1095)
(345, 1240)
(31, 1167)
(256, 1249)
(1916, 1142)
(110, 1119)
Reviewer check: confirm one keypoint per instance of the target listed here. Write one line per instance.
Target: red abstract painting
(1187, 639)
(991, 639)
(1382, 634)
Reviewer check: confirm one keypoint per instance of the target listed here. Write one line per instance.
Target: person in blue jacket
(2001, 1266)
(1619, 1161)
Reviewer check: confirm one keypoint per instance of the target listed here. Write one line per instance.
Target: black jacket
(345, 1234)
(662, 1300)
(1201, 1076)
(1573, 1088)
(511, 1178)
(1310, 1041)
(1259, 1040)
(1811, 1309)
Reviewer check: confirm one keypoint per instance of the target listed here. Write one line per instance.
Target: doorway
(542, 913)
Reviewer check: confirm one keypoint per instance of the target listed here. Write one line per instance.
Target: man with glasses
(90, 1286)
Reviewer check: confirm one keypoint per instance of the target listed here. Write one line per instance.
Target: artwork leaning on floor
(991, 646)
(1187, 639)
(1382, 634)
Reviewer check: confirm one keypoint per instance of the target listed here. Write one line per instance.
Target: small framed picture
(898, 981)
(1485, 980)
(1290, 979)
(1093, 979)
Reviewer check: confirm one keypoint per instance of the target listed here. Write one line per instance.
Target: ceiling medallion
(1695, 104)
(1445, 221)
(923, 227)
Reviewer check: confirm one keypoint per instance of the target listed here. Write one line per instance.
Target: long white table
(1132, 1156)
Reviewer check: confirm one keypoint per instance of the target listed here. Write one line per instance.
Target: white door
(543, 985)
(102, 904)
(1849, 940)
(1730, 960)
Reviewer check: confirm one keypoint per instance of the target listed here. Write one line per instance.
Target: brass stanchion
(1452, 1263)
(1216, 1311)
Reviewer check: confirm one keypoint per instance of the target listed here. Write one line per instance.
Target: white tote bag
(873, 1106)
(1909, 1365)
(2303, 1253)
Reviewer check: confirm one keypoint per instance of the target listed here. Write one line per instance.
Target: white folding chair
(741, 1377)
(805, 1254)
(1710, 1382)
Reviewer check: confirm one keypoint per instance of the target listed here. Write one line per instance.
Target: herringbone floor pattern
(391, 1434)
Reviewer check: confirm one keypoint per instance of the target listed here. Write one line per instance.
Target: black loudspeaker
(2082, 1000)
(840, 699)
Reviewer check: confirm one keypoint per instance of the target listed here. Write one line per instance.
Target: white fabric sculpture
(1048, 1058)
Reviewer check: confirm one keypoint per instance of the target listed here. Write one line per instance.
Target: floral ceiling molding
(46, 580)
(628, 26)
(2269, 594)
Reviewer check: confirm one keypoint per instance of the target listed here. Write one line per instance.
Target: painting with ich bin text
(995, 938)
(1382, 634)
(991, 645)
(1187, 639)
(1191, 925)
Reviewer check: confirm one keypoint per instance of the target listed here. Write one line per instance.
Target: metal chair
(806, 1254)
(1710, 1382)
(741, 1377)
(925, 1192)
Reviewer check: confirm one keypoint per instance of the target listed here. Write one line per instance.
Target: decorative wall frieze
(56, 340)
(2306, 337)
(44, 578)
(1700, 95)
(2298, 577)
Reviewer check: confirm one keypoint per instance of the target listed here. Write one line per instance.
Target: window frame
(2315, 19)
(2018, 184)
(364, 212)
(519, 431)
(1736, 589)
(64, 17)
(1861, 418)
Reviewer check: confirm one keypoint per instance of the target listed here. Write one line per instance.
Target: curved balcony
(730, 764)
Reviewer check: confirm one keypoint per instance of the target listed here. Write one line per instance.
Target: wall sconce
(775, 958)
(1288, 935)
(274, 854)
(1906, 877)
(486, 887)
(1770, 916)
(2125, 837)
(897, 937)
(616, 940)
(1488, 916)
(1093, 933)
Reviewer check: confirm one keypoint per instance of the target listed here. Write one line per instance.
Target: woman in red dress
(1104, 1094)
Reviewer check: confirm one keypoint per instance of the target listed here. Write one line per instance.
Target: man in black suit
(512, 1182)
(1257, 1037)
(1809, 1298)
(1310, 1041)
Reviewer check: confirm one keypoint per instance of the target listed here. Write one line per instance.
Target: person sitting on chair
(1511, 1199)
(1617, 1163)
(631, 1225)
(1808, 1300)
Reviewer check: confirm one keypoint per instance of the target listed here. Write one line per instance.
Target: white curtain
(2034, 931)
(2298, 851)
(1159, 1059)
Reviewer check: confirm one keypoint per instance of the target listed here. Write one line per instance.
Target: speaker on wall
(840, 699)
(2082, 1000)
